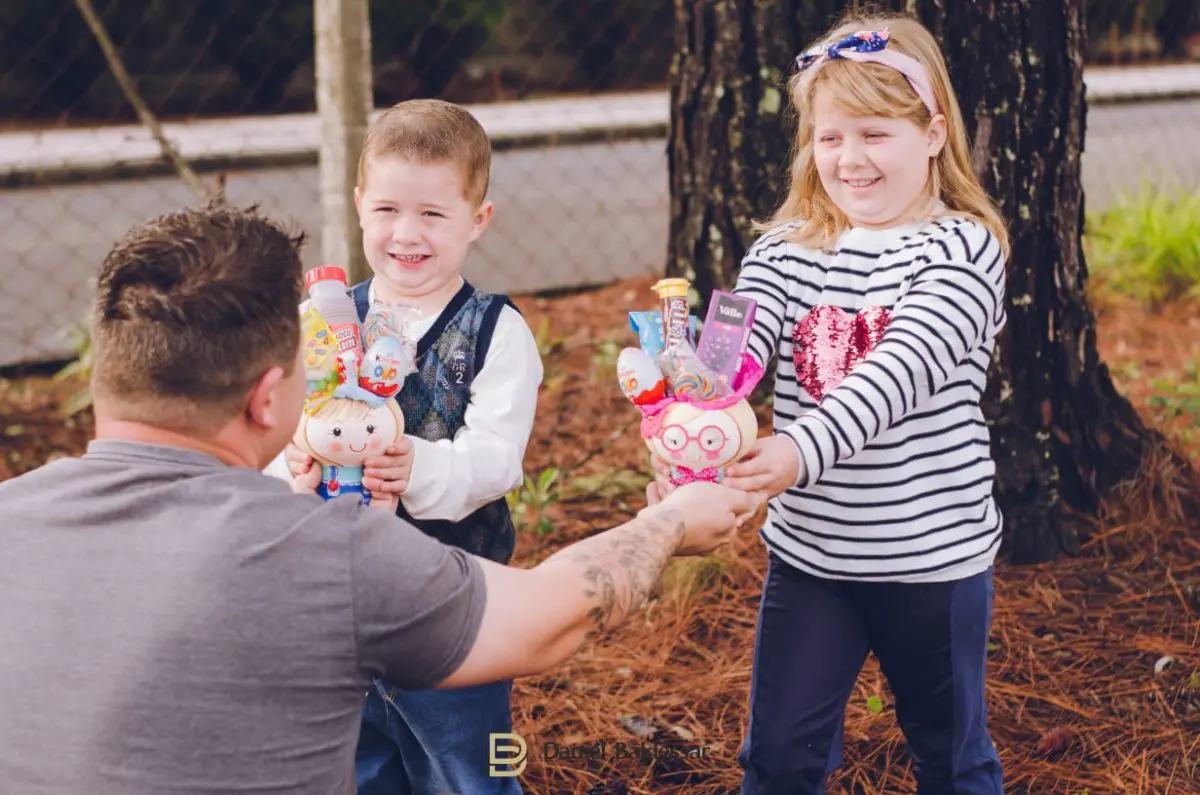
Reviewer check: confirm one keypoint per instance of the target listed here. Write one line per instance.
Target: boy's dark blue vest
(434, 401)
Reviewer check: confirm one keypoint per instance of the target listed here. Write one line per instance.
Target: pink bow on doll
(681, 475)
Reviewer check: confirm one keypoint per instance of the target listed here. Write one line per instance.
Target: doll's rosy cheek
(336, 447)
(375, 443)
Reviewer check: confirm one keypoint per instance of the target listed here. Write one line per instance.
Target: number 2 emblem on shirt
(458, 369)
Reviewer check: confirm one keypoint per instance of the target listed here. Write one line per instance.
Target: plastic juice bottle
(327, 289)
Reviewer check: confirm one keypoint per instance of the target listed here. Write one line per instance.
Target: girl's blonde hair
(871, 89)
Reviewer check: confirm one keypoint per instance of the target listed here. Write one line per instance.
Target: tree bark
(1061, 435)
(344, 104)
(729, 133)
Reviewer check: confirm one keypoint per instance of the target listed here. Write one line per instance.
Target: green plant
(1192, 685)
(78, 371)
(548, 345)
(609, 485)
(604, 357)
(688, 577)
(1147, 246)
(1177, 395)
(528, 502)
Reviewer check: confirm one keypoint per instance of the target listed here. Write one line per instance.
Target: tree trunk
(729, 135)
(1061, 435)
(344, 104)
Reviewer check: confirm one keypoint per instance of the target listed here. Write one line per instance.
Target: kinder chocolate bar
(726, 332)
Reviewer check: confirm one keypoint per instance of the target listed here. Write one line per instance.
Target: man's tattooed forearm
(621, 567)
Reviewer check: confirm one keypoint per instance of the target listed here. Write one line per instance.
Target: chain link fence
(574, 92)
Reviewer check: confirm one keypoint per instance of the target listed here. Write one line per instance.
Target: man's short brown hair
(191, 309)
(432, 131)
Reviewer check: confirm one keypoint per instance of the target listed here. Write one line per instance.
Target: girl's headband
(871, 46)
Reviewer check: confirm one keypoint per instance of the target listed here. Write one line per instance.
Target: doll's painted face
(347, 438)
(704, 439)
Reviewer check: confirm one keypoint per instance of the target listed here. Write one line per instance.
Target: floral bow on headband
(869, 46)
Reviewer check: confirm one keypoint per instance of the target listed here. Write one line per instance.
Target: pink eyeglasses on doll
(711, 439)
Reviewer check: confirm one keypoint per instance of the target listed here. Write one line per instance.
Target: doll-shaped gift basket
(694, 399)
(353, 373)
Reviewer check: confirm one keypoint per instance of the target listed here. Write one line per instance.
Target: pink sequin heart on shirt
(829, 343)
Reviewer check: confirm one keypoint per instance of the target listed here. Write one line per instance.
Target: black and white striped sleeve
(763, 277)
(954, 305)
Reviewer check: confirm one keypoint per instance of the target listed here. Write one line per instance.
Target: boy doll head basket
(349, 412)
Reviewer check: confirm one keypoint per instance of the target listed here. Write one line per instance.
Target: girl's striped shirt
(899, 481)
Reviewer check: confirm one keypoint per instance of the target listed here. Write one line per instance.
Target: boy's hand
(391, 472)
(298, 462)
(771, 467)
(306, 482)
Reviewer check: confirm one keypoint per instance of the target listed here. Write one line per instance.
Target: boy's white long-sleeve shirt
(452, 478)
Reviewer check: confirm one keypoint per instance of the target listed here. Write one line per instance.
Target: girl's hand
(391, 472)
(771, 467)
(662, 477)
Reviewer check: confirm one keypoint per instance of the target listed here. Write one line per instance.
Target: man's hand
(771, 467)
(709, 513)
(390, 473)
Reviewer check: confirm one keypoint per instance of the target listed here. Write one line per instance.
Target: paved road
(565, 216)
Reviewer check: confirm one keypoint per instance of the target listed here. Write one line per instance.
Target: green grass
(1147, 246)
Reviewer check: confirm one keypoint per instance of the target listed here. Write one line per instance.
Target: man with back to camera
(176, 621)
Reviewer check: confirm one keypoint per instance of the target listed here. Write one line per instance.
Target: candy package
(649, 328)
(695, 417)
(726, 333)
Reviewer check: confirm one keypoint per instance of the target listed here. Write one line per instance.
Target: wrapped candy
(726, 333)
(688, 376)
(391, 353)
(640, 378)
(649, 328)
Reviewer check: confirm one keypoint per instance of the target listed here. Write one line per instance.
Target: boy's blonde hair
(872, 89)
(431, 131)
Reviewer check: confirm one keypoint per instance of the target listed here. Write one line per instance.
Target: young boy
(469, 410)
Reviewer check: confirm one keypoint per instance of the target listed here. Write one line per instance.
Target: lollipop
(689, 377)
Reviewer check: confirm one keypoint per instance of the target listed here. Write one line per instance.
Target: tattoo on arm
(618, 569)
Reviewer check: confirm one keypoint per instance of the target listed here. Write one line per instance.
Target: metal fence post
(344, 103)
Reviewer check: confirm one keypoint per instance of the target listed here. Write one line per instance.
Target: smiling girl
(880, 286)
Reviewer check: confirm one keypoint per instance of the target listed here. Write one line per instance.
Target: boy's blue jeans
(432, 742)
(814, 635)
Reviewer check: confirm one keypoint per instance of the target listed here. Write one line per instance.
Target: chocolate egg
(385, 366)
(640, 378)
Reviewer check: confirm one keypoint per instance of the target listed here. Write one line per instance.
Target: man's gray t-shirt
(171, 624)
